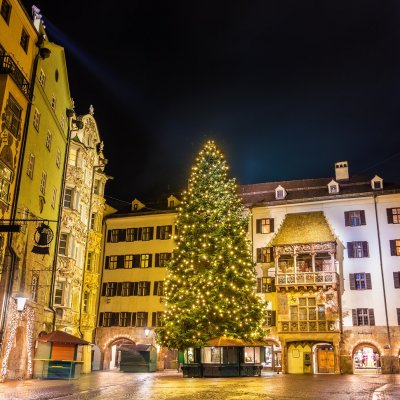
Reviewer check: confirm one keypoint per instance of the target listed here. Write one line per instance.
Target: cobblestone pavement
(170, 385)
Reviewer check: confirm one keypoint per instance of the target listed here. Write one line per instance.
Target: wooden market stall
(57, 356)
(138, 358)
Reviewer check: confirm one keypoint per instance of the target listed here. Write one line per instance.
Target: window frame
(5, 11)
(24, 40)
(36, 119)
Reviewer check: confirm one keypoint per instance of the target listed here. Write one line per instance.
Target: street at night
(172, 386)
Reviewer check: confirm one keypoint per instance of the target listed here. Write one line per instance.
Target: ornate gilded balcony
(8, 66)
(308, 326)
(326, 278)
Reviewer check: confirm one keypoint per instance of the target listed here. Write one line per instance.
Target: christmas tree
(210, 285)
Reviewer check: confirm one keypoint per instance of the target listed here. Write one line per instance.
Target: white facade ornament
(91, 110)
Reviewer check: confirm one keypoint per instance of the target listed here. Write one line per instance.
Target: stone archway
(366, 359)
(110, 355)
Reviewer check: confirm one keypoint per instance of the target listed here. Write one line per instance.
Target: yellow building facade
(138, 242)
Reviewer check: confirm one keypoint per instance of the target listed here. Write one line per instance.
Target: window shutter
(116, 319)
(352, 282)
(271, 224)
(371, 316)
(169, 255)
(157, 264)
(347, 218)
(362, 217)
(169, 231)
(398, 316)
(273, 318)
(139, 233)
(103, 289)
(155, 288)
(101, 319)
(119, 288)
(121, 235)
(150, 260)
(136, 260)
(135, 288)
(153, 318)
(365, 249)
(273, 287)
(109, 236)
(120, 261)
(158, 232)
(354, 315)
(151, 233)
(258, 226)
(133, 319)
(259, 284)
(389, 213)
(131, 289)
(146, 317)
(107, 266)
(368, 279)
(147, 292)
(350, 251)
(396, 278)
(129, 319)
(392, 247)
(258, 259)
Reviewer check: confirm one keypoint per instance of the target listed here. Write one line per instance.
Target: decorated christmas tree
(210, 285)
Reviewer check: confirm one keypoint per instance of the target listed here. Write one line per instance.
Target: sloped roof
(224, 341)
(310, 227)
(134, 348)
(61, 337)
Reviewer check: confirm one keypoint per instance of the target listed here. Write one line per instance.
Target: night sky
(285, 88)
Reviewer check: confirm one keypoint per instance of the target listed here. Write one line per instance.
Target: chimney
(341, 171)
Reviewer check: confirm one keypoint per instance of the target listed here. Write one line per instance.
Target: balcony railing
(8, 66)
(308, 326)
(306, 278)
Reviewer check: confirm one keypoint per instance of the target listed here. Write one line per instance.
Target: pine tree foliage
(210, 285)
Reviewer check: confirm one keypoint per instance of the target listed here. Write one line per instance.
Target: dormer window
(137, 205)
(280, 193)
(333, 187)
(377, 182)
(172, 201)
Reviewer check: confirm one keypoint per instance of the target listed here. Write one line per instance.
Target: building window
(265, 254)
(89, 261)
(145, 260)
(270, 318)
(143, 288)
(13, 114)
(157, 318)
(162, 259)
(5, 182)
(42, 78)
(363, 316)
(53, 197)
(36, 119)
(53, 102)
(63, 244)
(357, 249)
(114, 235)
(125, 319)
(43, 183)
(85, 305)
(24, 41)
(68, 197)
(62, 122)
(398, 316)
(395, 247)
(31, 165)
(93, 220)
(164, 232)
(141, 319)
(360, 281)
(131, 234)
(393, 215)
(265, 225)
(111, 289)
(128, 261)
(147, 233)
(34, 288)
(59, 293)
(5, 10)
(48, 140)
(58, 158)
(266, 285)
(354, 218)
(113, 262)
(396, 279)
(108, 319)
(126, 289)
(158, 288)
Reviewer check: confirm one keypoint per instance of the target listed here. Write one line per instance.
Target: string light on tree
(211, 278)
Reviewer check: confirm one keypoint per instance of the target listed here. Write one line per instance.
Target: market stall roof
(224, 341)
(61, 337)
(135, 347)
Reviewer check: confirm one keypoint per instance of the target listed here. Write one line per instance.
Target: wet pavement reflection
(170, 385)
